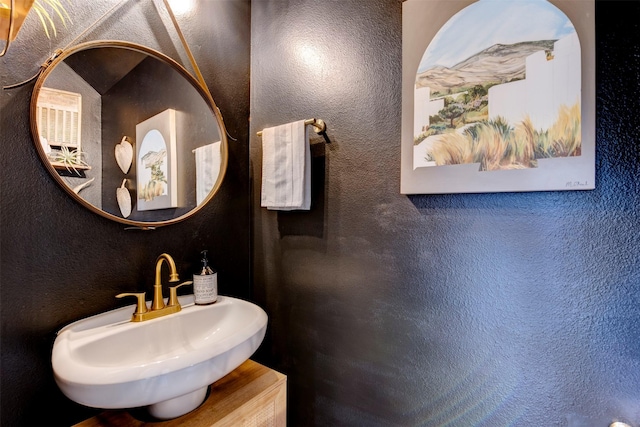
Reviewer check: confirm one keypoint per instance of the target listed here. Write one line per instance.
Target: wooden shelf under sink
(252, 395)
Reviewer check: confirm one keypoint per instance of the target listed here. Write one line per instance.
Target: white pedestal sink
(166, 364)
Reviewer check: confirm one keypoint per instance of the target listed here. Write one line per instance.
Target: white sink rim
(141, 384)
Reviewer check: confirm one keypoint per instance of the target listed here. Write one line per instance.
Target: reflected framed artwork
(497, 96)
(156, 174)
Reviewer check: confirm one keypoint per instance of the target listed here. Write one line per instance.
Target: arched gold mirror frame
(206, 96)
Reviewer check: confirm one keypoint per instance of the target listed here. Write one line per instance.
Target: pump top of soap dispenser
(206, 269)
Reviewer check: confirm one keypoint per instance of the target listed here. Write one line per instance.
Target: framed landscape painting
(156, 162)
(498, 96)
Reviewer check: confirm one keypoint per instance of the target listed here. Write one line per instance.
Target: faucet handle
(141, 306)
(173, 293)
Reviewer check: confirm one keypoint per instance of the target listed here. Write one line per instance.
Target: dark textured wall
(60, 262)
(515, 309)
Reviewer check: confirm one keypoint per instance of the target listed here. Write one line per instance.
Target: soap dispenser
(205, 283)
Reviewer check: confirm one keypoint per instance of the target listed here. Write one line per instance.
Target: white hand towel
(286, 167)
(207, 169)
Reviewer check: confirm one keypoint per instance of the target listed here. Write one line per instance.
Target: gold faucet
(158, 308)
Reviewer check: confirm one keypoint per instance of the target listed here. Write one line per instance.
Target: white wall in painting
(548, 85)
(423, 108)
(567, 85)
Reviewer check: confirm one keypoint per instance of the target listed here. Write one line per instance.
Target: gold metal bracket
(319, 126)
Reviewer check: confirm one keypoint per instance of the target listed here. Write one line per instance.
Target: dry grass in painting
(452, 149)
(497, 146)
(564, 138)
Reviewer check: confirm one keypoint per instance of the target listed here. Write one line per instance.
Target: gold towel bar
(319, 126)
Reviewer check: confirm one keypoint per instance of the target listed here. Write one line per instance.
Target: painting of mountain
(498, 88)
(470, 124)
(494, 65)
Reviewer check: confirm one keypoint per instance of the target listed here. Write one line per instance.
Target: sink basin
(107, 361)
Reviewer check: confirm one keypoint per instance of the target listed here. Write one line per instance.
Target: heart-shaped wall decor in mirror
(124, 154)
(124, 199)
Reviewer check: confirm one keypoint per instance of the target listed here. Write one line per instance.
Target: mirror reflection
(129, 133)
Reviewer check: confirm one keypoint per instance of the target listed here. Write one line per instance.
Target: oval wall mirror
(129, 133)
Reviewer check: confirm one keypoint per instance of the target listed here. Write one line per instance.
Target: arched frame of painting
(422, 20)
